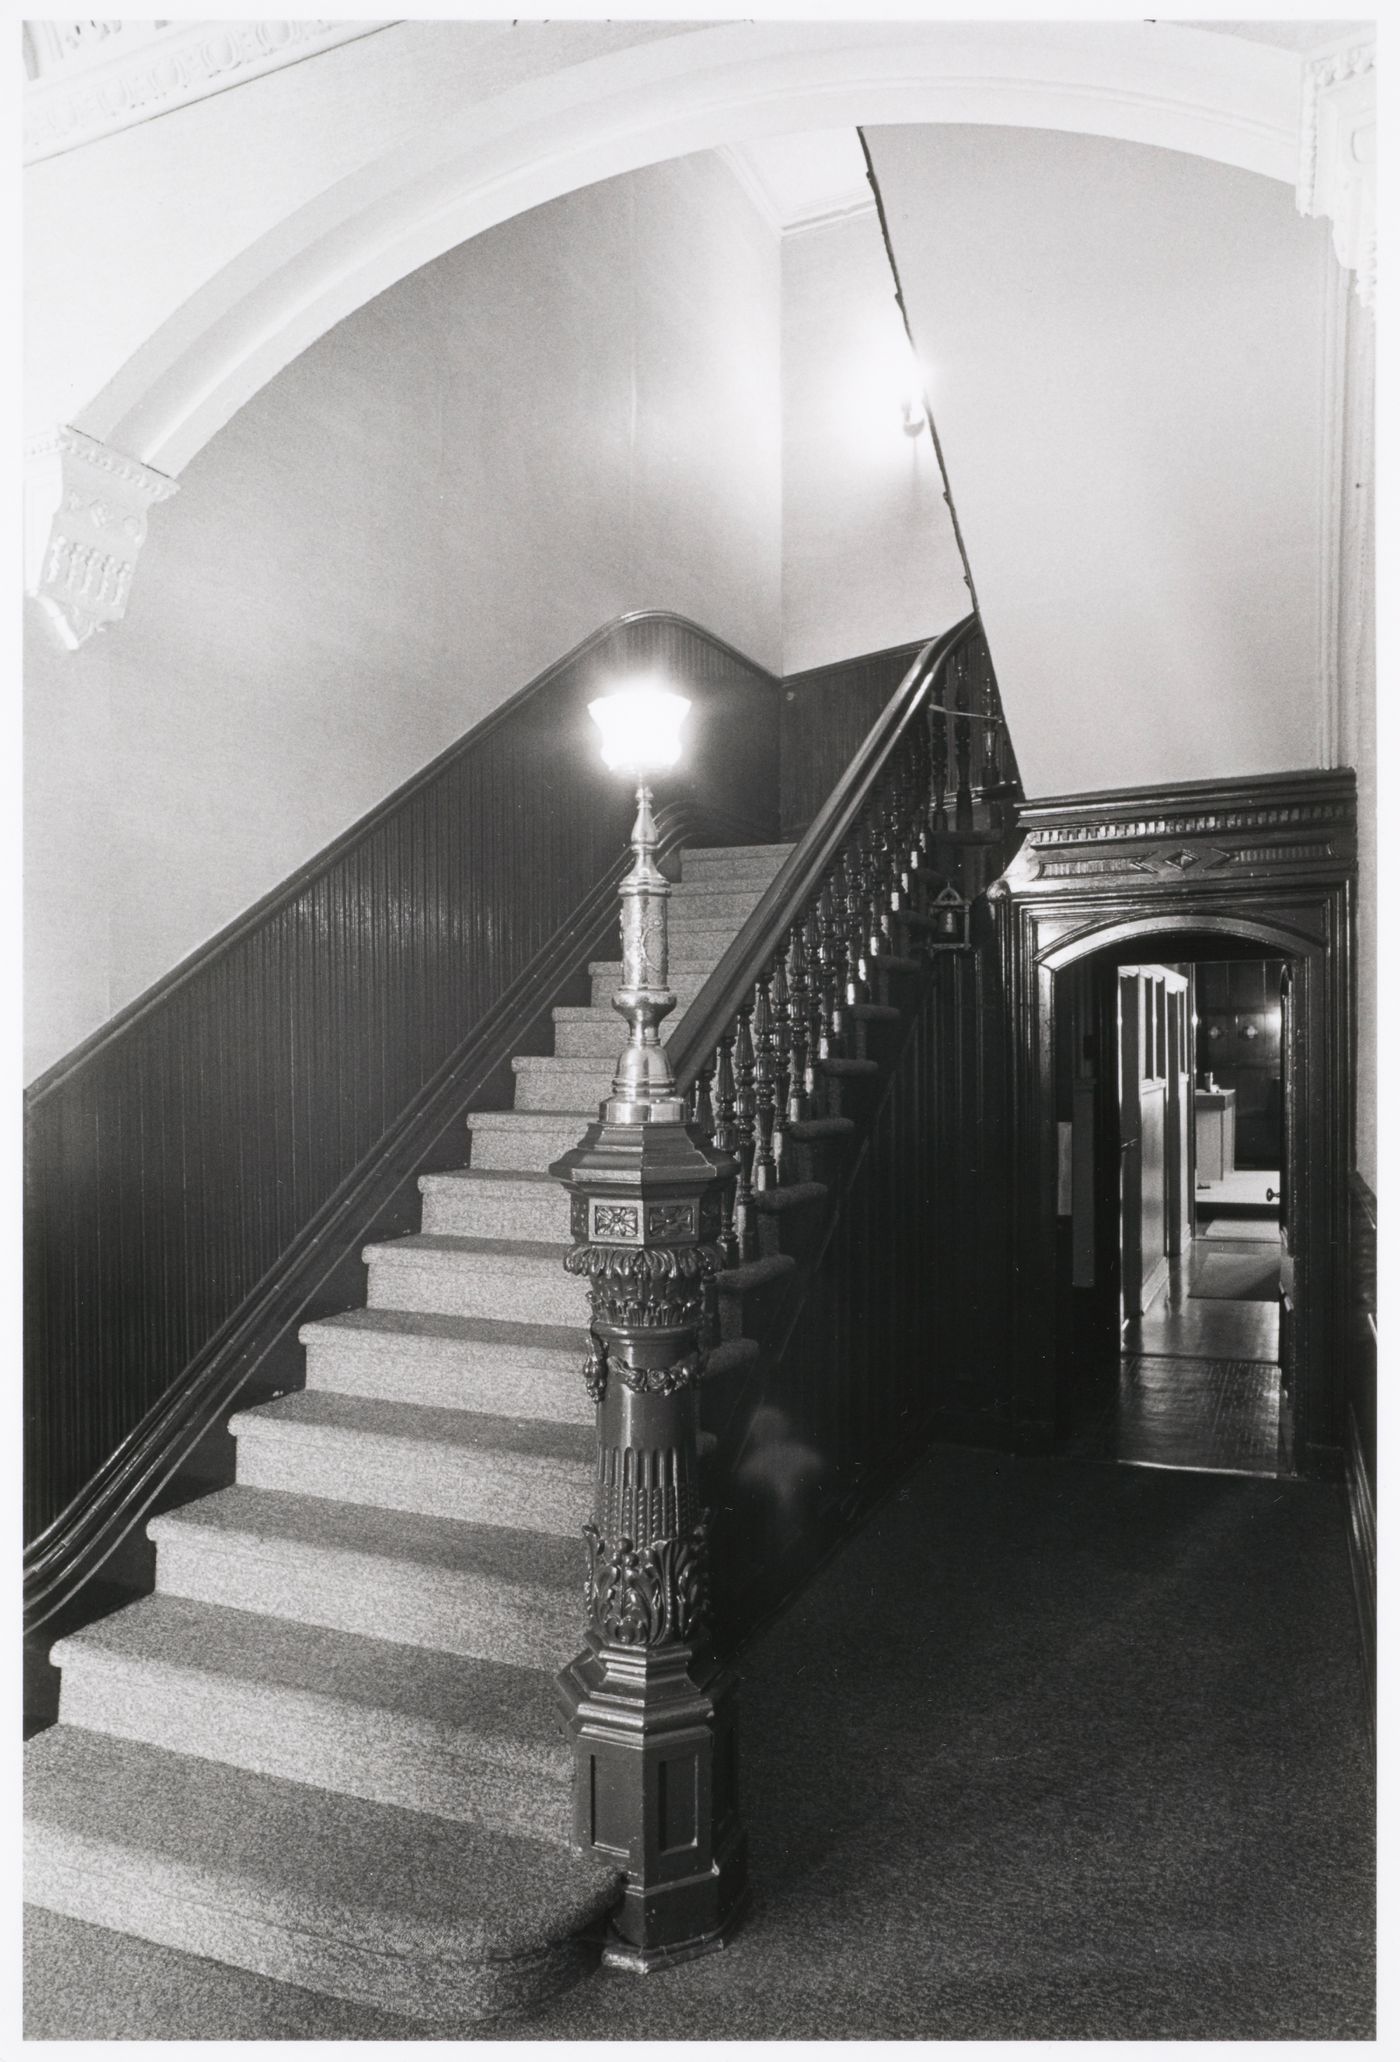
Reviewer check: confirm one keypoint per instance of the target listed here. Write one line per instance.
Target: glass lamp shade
(641, 728)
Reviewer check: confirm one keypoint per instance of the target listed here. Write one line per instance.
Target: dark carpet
(1051, 1750)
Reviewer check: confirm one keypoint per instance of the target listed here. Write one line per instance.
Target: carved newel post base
(650, 1709)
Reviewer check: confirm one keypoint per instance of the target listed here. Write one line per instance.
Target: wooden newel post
(650, 1709)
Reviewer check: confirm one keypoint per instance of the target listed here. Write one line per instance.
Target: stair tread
(562, 1063)
(427, 1330)
(510, 1710)
(720, 853)
(528, 1120)
(337, 1865)
(314, 1410)
(454, 1545)
(448, 1177)
(752, 1274)
(806, 1128)
(459, 1245)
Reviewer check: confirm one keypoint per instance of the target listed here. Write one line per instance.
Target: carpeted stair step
(402, 1910)
(544, 1083)
(493, 1591)
(403, 1457)
(501, 1278)
(687, 974)
(511, 1140)
(709, 903)
(466, 1739)
(703, 934)
(481, 1203)
(704, 862)
(598, 1033)
(451, 1363)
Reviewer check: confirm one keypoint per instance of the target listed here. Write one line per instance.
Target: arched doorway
(1175, 1078)
(1155, 874)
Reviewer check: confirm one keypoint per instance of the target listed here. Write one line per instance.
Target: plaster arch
(428, 185)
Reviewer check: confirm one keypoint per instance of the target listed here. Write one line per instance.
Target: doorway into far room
(1174, 1170)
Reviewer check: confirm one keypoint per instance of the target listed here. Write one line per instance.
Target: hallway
(1198, 1382)
(1048, 1751)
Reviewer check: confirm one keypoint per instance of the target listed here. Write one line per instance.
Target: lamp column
(650, 1708)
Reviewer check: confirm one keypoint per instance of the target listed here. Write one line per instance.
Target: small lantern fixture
(952, 922)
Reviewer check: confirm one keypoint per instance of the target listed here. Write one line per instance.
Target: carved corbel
(85, 510)
(1337, 168)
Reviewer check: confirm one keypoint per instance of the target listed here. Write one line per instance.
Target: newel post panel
(650, 1708)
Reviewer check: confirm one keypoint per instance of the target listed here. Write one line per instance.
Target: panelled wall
(825, 714)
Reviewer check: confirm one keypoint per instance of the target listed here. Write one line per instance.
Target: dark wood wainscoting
(825, 714)
(878, 1347)
(1269, 860)
(235, 1119)
(1361, 1421)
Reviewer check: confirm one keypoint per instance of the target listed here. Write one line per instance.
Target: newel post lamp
(650, 1709)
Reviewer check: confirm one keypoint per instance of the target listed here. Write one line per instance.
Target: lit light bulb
(641, 728)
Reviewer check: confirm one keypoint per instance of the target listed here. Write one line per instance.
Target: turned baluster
(887, 899)
(699, 1109)
(745, 1108)
(801, 973)
(938, 784)
(782, 1062)
(726, 1137)
(914, 838)
(831, 992)
(962, 743)
(991, 729)
(765, 1086)
(857, 987)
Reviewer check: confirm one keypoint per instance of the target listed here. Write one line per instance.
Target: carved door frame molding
(1270, 860)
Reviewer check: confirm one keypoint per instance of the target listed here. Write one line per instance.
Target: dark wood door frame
(1268, 860)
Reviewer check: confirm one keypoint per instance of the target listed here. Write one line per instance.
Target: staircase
(327, 1749)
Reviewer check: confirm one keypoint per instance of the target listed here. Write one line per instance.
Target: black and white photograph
(696, 887)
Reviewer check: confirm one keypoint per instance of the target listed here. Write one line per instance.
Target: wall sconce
(952, 922)
(641, 732)
(915, 406)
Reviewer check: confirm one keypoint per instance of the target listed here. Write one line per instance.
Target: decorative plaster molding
(1337, 161)
(445, 162)
(85, 522)
(86, 86)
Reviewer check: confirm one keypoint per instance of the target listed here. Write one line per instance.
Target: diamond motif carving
(85, 522)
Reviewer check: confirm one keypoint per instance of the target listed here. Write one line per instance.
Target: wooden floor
(1207, 1328)
(1198, 1382)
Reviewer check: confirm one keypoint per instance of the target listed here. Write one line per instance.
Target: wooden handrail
(801, 875)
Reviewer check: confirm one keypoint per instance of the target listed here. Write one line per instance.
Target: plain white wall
(575, 414)
(1356, 681)
(1126, 355)
(869, 555)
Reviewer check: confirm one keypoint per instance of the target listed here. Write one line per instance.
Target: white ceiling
(802, 179)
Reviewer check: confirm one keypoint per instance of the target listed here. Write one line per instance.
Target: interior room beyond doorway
(1175, 1185)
